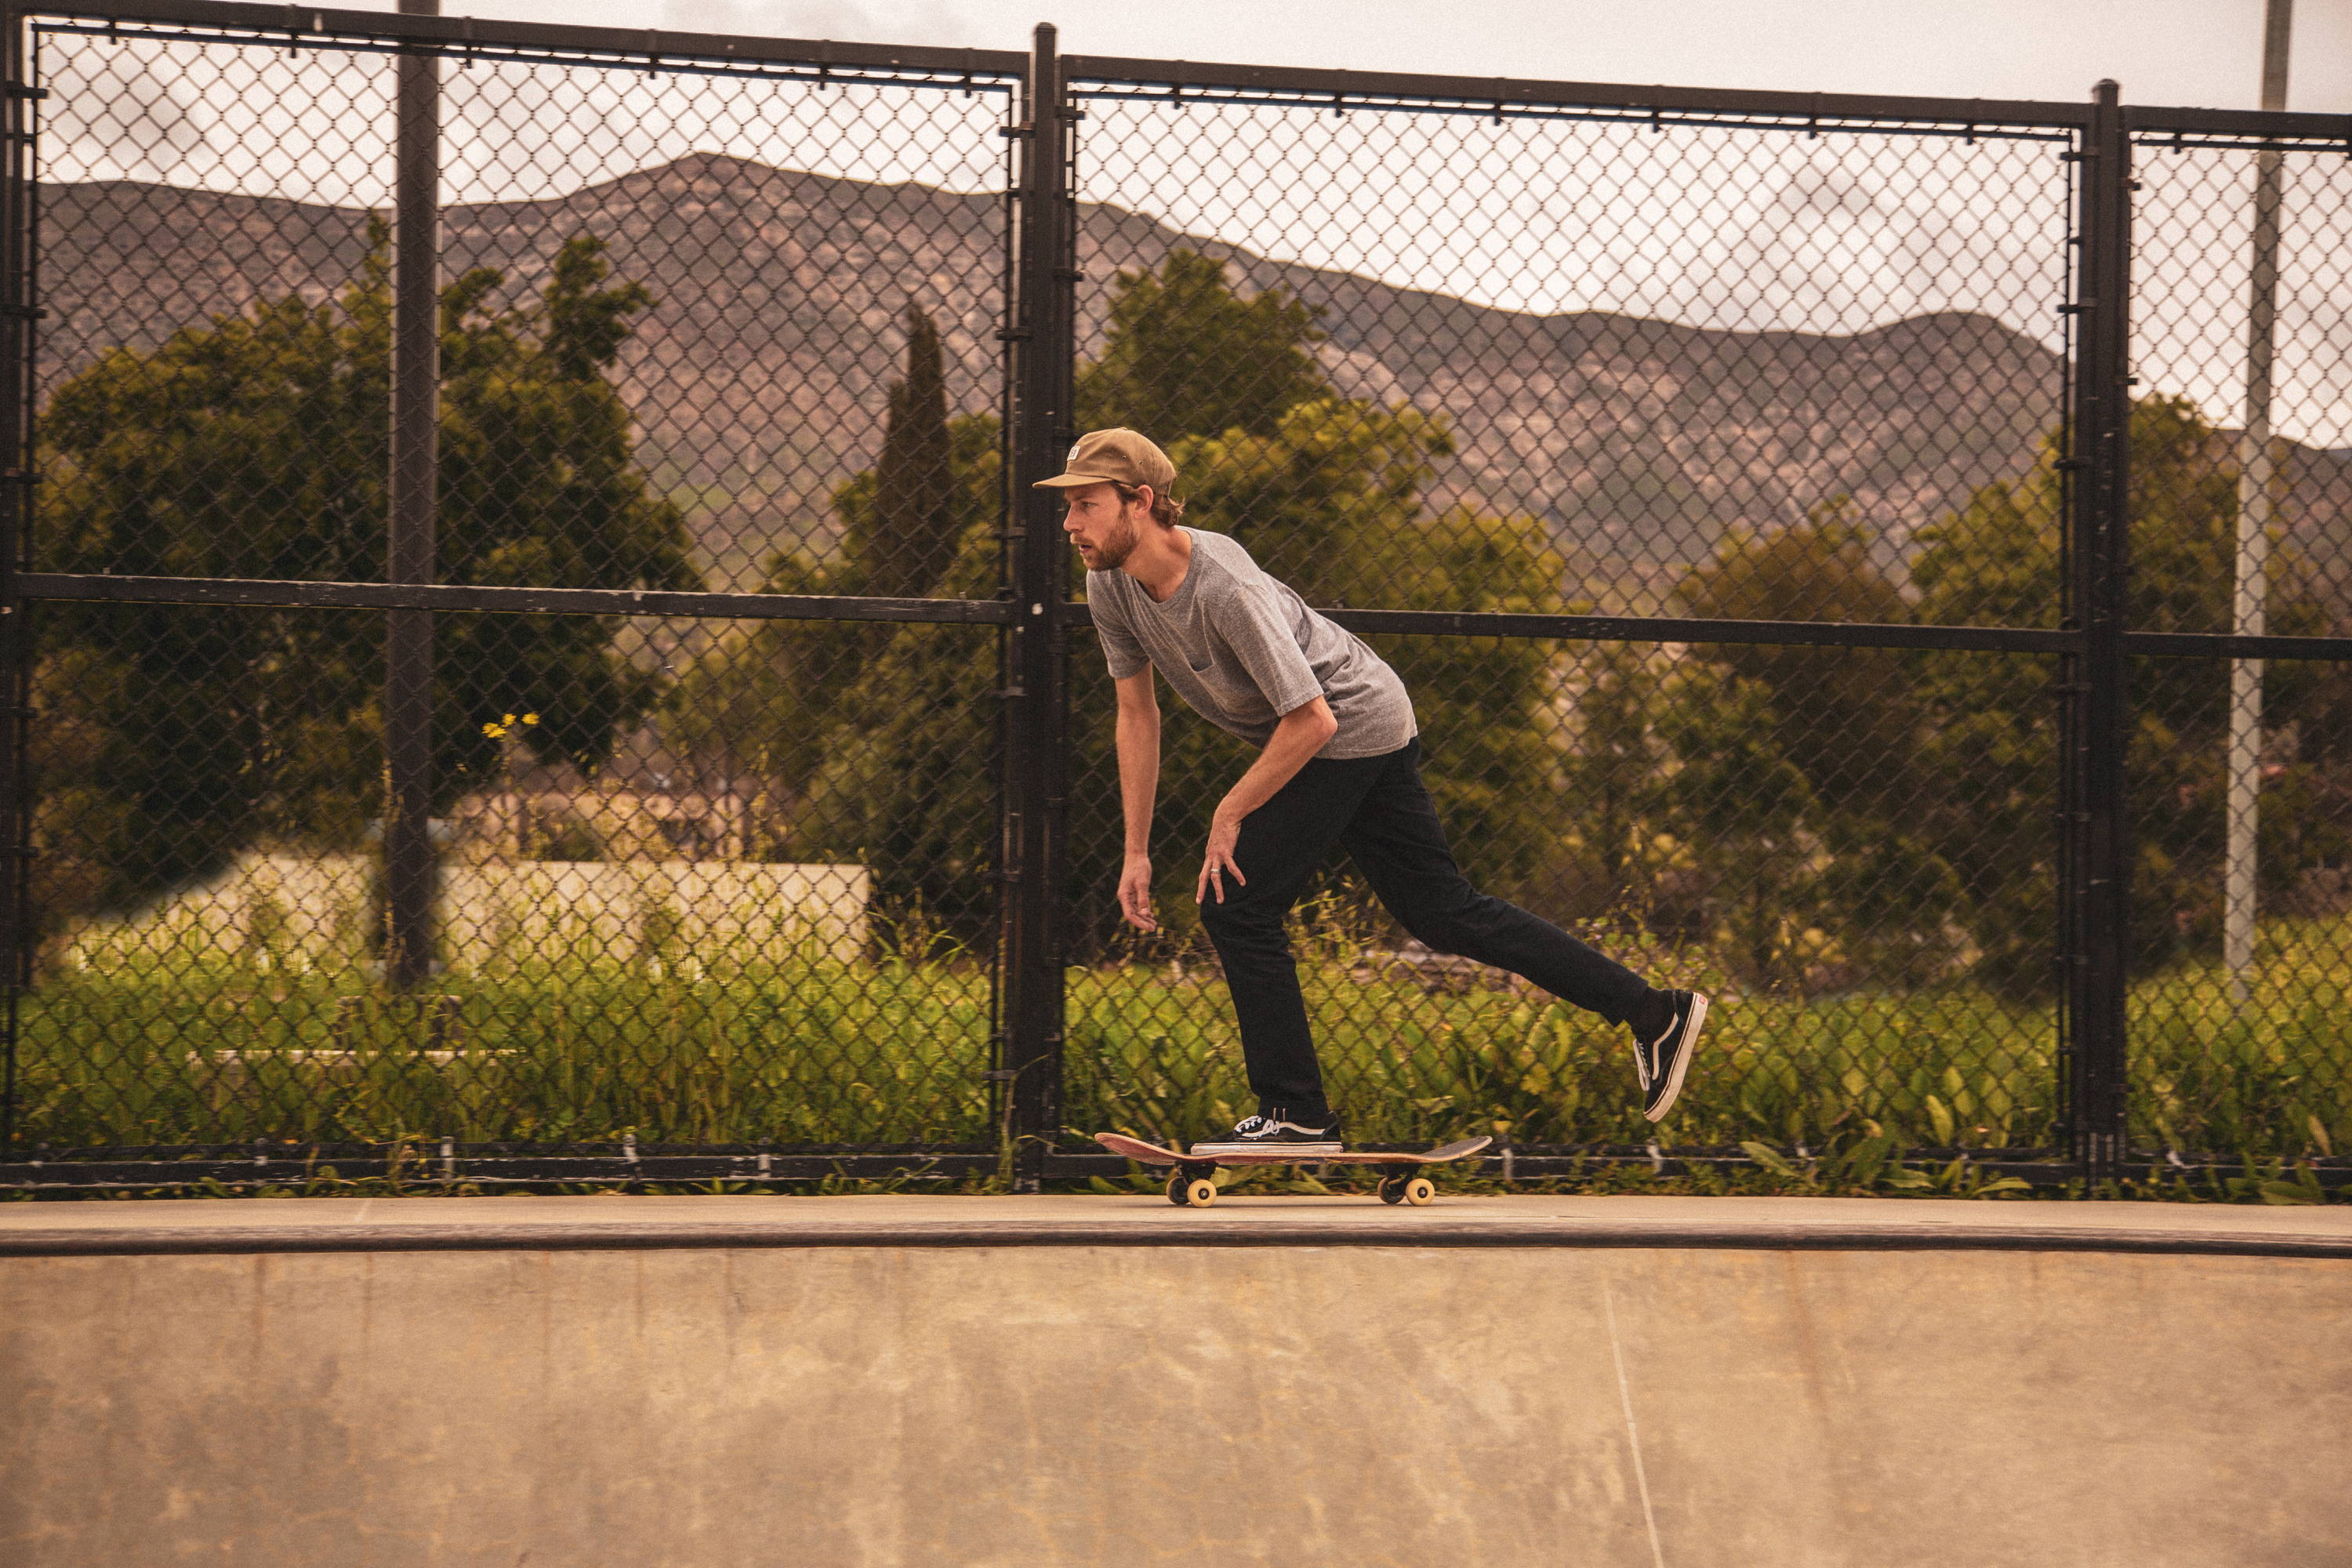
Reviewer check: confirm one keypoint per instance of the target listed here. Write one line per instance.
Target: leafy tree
(900, 517)
(1993, 716)
(257, 445)
(1851, 722)
(1891, 900)
(1186, 355)
(762, 704)
(906, 781)
(1610, 774)
(1746, 815)
(875, 744)
(1990, 737)
(1847, 715)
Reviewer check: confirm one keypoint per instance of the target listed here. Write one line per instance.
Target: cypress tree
(900, 542)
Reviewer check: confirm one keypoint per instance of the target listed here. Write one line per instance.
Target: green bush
(895, 1050)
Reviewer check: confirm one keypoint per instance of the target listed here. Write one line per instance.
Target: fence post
(1036, 731)
(2097, 840)
(2257, 476)
(408, 853)
(18, 302)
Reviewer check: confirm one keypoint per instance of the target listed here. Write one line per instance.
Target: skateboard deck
(1154, 1154)
(1193, 1184)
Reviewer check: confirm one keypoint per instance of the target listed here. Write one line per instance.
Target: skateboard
(1193, 1184)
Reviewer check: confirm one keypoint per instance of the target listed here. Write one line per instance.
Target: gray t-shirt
(1244, 649)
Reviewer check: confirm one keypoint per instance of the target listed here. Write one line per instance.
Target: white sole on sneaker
(1208, 1150)
(1682, 1059)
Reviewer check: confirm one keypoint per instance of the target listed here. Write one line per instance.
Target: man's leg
(1397, 842)
(1280, 843)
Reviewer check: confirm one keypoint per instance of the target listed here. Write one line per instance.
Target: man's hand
(1297, 736)
(1135, 893)
(1224, 831)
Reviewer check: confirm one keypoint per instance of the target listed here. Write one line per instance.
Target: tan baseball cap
(1119, 457)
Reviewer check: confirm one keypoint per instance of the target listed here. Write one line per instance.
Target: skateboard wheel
(1199, 1192)
(1392, 1190)
(1176, 1186)
(1419, 1190)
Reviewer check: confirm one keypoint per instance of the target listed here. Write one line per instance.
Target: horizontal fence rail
(1885, 561)
(647, 50)
(1344, 89)
(487, 599)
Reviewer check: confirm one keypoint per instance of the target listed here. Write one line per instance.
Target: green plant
(255, 444)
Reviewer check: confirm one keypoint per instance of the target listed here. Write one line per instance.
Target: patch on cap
(1117, 456)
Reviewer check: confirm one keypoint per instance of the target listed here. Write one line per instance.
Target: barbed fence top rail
(1114, 75)
(2247, 128)
(1106, 74)
(488, 38)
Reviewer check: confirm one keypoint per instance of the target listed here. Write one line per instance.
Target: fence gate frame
(2093, 858)
(1036, 787)
(411, 39)
(18, 306)
(2095, 852)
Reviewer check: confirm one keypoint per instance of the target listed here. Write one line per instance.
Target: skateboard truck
(1403, 1184)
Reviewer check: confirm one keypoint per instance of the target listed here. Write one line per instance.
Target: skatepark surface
(329, 1223)
(1091, 1380)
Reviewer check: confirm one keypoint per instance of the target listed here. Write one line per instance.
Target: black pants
(1379, 808)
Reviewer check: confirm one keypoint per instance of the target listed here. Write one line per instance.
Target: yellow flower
(530, 717)
(495, 731)
(507, 720)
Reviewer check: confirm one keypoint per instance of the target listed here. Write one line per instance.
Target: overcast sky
(2201, 52)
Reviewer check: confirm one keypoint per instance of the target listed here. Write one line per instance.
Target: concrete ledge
(1066, 1381)
(607, 1224)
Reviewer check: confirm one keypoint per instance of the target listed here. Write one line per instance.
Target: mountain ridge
(758, 375)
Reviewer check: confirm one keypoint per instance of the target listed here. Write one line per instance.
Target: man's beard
(1112, 552)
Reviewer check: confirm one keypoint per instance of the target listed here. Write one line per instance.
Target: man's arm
(1302, 732)
(1139, 783)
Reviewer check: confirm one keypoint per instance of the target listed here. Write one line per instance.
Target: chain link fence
(1552, 360)
(1720, 471)
(2242, 525)
(708, 329)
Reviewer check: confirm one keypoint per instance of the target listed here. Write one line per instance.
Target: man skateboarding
(1339, 766)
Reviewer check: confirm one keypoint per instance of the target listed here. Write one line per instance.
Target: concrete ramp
(717, 1382)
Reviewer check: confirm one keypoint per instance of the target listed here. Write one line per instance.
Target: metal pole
(1036, 701)
(2257, 494)
(408, 854)
(18, 300)
(2098, 881)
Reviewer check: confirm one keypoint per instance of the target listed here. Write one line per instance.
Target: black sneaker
(1255, 1133)
(1662, 1059)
